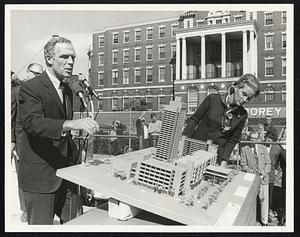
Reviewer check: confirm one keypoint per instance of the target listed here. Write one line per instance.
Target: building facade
(197, 53)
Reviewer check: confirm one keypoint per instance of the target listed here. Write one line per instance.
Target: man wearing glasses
(34, 70)
(221, 118)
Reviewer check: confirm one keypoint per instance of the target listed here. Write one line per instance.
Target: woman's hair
(251, 81)
(152, 115)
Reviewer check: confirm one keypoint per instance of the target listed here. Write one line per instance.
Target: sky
(31, 29)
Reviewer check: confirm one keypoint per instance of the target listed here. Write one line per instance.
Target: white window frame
(114, 51)
(159, 51)
(283, 58)
(189, 101)
(113, 37)
(100, 101)
(147, 97)
(135, 75)
(124, 36)
(126, 79)
(282, 13)
(149, 67)
(135, 35)
(173, 28)
(126, 96)
(98, 79)
(200, 22)
(273, 94)
(173, 52)
(135, 53)
(99, 58)
(147, 33)
(99, 41)
(282, 35)
(147, 48)
(113, 99)
(112, 76)
(269, 59)
(159, 96)
(159, 72)
(125, 50)
(265, 18)
(283, 94)
(269, 35)
(159, 31)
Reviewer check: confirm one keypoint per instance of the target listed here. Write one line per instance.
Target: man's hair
(34, 64)
(152, 115)
(50, 45)
(251, 81)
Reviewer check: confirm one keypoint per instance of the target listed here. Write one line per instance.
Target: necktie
(63, 87)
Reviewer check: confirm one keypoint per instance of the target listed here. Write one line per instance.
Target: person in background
(34, 70)
(115, 144)
(255, 159)
(154, 130)
(221, 118)
(245, 136)
(261, 132)
(268, 124)
(46, 116)
(142, 131)
(274, 153)
(16, 133)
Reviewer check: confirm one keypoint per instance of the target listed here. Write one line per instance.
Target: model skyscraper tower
(171, 129)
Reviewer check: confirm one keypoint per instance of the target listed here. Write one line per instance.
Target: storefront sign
(267, 111)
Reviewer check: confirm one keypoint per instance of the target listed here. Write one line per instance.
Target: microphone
(79, 91)
(84, 81)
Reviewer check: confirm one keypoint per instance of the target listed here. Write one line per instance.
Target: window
(137, 97)
(138, 36)
(101, 41)
(200, 23)
(173, 29)
(283, 63)
(161, 99)
(115, 77)
(192, 100)
(283, 17)
(101, 59)
(126, 36)
(161, 74)
(188, 23)
(269, 67)
(237, 18)
(114, 104)
(269, 94)
(115, 38)
(162, 52)
(212, 89)
(149, 100)
(283, 40)
(126, 102)
(149, 74)
(137, 54)
(173, 50)
(126, 56)
(149, 33)
(100, 78)
(269, 18)
(283, 94)
(218, 21)
(115, 57)
(268, 42)
(162, 32)
(149, 53)
(126, 76)
(100, 103)
(137, 75)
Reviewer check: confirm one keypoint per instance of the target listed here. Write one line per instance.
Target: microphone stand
(90, 144)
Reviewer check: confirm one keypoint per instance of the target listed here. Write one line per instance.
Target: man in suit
(33, 70)
(142, 131)
(221, 118)
(255, 159)
(45, 110)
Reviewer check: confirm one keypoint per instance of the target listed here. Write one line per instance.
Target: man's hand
(87, 124)
(13, 146)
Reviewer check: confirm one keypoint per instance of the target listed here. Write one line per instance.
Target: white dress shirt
(56, 84)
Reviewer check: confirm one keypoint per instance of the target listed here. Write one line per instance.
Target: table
(235, 206)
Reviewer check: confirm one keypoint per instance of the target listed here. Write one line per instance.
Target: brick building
(203, 51)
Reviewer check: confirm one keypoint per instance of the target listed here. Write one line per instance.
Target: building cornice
(134, 88)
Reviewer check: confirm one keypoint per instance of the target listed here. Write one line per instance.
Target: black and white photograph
(146, 118)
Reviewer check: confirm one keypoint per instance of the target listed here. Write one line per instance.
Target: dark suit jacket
(205, 124)
(14, 106)
(45, 149)
(274, 155)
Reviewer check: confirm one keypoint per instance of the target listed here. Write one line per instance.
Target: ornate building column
(203, 73)
(184, 62)
(178, 57)
(252, 52)
(223, 55)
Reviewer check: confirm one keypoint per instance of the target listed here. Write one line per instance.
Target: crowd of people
(42, 121)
